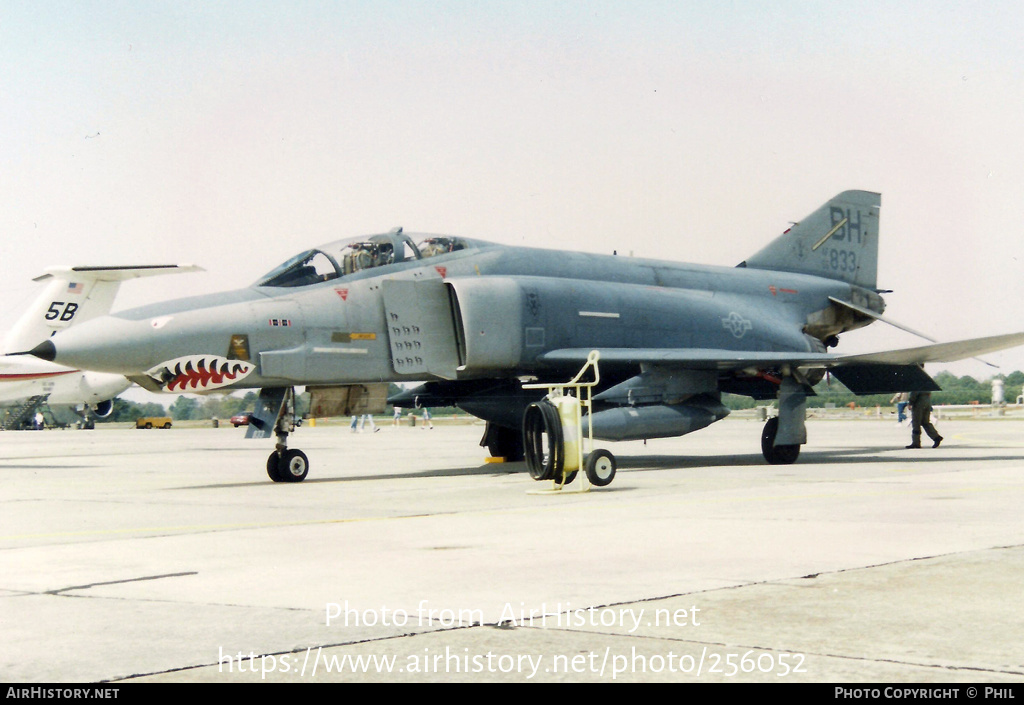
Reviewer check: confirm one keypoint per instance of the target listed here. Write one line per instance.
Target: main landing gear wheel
(503, 442)
(291, 465)
(776, 455)
(600, 468)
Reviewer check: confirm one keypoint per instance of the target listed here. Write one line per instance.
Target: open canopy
(344, 257)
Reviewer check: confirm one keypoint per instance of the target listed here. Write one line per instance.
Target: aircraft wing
(691, 358)
(712, 359)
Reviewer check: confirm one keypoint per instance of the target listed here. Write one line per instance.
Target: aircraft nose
(45, 351)
(103, 344)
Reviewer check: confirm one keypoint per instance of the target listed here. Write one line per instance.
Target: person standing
(427, 423)
(900, 400)
(920, 417)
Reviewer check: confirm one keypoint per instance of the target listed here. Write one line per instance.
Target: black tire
(294, 466)
(569, 477)
(504, 442)
(544, 460)
(776, 455)
(273, 463)
(600, 468)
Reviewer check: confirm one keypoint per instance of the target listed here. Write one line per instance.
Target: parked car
(241, 419)
(153, 422)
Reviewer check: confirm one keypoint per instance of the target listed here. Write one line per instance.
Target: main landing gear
(776, 455)
(784, 434)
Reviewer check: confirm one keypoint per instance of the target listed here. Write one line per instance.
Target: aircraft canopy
(344, 257)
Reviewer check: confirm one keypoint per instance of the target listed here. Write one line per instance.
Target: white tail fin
(837, 241)
(74, 295)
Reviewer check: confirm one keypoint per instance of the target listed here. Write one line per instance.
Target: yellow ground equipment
(553, 433)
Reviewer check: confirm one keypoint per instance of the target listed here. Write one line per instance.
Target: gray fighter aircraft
(474, 320)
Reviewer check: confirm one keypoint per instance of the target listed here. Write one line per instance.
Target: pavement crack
(119, 582)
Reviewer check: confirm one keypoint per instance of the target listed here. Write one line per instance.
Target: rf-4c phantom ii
(473, 320)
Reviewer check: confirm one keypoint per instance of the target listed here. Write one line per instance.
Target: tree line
(222, 407)
(828, 392)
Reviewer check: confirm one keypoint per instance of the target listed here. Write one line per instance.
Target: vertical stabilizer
(837, 241)
(73, 295)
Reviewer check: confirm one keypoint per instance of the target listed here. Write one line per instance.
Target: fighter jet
(72, 295)
(474, 320)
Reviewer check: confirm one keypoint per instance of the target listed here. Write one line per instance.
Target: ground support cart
(553, 434)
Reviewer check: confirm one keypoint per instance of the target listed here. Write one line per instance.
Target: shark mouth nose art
(200, 373)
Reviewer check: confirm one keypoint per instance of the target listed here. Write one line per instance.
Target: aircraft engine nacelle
(103, 409)
(634, 423)
(488, 315)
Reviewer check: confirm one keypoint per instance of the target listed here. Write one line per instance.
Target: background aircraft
(72, 296)
(475, 319)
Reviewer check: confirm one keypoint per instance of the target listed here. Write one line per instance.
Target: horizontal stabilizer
(116, 273)
(878, 317)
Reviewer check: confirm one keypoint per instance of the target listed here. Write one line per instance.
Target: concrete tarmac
(169, 556)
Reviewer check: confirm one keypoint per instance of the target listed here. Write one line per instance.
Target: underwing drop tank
(634, 423)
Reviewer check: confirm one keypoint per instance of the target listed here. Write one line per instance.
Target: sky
(232, 135)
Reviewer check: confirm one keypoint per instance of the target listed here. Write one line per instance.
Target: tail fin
(74, 295)
(837, 241)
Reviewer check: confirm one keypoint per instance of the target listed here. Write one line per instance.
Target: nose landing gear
(275, 413)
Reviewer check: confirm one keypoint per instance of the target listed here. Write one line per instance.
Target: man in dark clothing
(920, 417)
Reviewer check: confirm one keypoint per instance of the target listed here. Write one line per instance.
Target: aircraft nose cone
(44, 351)
(103, 344)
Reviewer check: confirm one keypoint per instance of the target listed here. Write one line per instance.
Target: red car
(241, 419)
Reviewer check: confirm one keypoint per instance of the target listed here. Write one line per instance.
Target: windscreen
(342, 258)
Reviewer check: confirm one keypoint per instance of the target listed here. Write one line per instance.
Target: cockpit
(345, 257)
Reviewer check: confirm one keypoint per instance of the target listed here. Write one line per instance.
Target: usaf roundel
(736, 324)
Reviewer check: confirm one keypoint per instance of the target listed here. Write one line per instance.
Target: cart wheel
(600, 468)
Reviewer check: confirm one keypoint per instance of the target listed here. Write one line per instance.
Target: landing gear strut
(784, 434)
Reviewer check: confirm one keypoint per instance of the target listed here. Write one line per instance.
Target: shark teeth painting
(200, 373)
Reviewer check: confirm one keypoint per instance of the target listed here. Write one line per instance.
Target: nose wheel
(288, 465)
